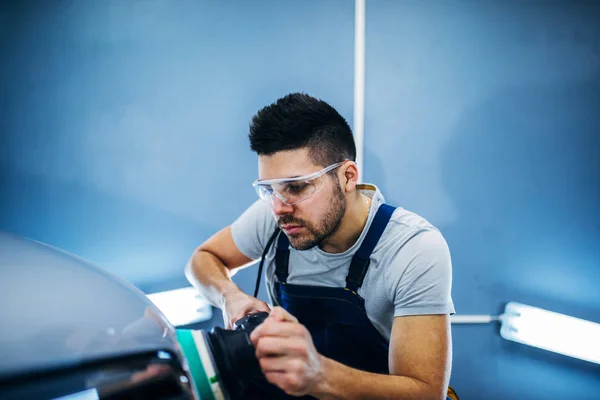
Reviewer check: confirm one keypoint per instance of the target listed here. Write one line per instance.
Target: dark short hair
(297, 121)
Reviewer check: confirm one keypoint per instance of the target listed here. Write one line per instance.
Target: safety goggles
(292, 190)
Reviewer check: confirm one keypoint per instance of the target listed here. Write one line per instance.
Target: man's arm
(210, 269)
(420, 363)
(211, 266)
(420, 359)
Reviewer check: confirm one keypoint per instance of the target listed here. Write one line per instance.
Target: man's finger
(280, 364)
(281, 314)
(276, 328)
(262, 307)
(270, 346)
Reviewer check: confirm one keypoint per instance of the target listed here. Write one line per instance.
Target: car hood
(59, 310)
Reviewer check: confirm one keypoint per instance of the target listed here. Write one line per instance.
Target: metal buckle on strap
(357, 272)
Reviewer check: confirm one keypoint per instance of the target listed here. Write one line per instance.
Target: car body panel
(59, 310)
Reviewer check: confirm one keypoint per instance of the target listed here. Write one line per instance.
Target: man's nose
(280, 208)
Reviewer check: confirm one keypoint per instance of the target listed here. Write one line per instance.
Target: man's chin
(298, 242)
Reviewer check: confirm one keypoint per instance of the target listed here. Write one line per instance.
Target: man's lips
(291, 227)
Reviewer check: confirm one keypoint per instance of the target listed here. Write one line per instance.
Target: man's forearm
(342, 382)
(208, 274)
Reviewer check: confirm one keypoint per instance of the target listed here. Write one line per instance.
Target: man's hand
(238, 304)
(286, 353)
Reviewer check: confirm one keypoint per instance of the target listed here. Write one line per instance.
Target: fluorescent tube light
(551, 331)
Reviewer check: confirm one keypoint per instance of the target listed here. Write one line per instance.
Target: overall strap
(362, 257)
(282, 258)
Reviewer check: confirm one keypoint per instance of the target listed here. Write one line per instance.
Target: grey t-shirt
(410, 271)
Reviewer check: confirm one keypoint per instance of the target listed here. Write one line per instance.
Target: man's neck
(350, 227)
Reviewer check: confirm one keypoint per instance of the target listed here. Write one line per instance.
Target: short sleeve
(420, 276)
(252, 229)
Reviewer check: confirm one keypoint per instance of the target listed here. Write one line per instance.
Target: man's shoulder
(405, 226)
(402, 219)
(405, 219)
(252, 229)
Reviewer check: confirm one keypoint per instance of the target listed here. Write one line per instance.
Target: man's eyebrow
(289, 177)
(297, 176)
(300, 176)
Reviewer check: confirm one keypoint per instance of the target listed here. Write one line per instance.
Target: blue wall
(124, 123)
(485, 118)
(123, 139)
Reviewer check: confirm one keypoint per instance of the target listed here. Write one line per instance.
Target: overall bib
(334, 316)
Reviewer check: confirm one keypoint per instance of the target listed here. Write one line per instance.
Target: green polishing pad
(204, 374)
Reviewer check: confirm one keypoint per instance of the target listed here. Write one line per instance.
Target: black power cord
(262, 259)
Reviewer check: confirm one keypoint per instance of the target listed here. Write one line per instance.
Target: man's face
(309, 221)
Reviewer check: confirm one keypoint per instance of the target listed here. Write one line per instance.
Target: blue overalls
(335, 316)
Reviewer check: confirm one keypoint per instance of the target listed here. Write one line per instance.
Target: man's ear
(350, 180)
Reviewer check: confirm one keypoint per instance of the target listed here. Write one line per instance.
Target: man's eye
(296, 188)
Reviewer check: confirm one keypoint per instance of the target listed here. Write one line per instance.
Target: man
(360, 289)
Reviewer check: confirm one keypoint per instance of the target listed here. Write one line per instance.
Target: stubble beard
(328, 226)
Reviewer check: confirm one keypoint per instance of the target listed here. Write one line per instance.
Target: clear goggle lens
(289, 193)
(292, 190)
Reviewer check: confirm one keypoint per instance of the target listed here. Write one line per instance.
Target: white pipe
(359, 84)
(473, 319)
